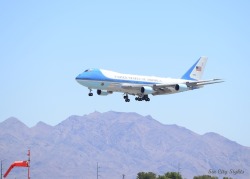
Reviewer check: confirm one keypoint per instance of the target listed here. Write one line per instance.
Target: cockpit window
(88, 70)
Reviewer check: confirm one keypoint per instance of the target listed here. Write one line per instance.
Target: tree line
(171, 175)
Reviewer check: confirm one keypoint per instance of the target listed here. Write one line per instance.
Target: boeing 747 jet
(106, 82)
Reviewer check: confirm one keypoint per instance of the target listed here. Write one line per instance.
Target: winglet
(196, 71)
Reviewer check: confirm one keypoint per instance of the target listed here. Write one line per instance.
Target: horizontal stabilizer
(204, 82)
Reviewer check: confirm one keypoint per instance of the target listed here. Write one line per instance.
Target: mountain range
(121, 144)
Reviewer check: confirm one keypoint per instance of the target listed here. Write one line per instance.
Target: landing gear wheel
(138, 98)
(147, 99)
(90, 92)
(142, 98)
(126, 98)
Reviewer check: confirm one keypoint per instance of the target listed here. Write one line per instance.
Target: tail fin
(196, 71)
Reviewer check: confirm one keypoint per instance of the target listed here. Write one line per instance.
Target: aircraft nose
(78, 77)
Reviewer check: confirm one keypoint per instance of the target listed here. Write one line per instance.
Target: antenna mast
(1, 169)
(28, 164)
(97, 171)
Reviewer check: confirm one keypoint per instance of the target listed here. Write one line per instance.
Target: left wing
(189, 84)
(158, 89)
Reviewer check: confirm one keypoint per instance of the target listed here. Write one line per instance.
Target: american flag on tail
(198, 68)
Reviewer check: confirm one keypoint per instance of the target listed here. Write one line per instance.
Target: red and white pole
(28, 164)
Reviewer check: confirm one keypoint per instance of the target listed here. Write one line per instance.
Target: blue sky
(44, 45)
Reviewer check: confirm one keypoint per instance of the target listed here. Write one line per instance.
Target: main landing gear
(139, 98)
(90, 92)
(144, 97)
(126, 98)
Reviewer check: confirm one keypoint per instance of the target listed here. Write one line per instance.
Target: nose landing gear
(90, 92)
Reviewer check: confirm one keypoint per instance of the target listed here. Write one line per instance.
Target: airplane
(106, 82)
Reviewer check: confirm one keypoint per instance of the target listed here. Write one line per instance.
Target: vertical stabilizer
(196, 71)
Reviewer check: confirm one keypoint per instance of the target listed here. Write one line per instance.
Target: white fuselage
(119, 82)
(107, 82)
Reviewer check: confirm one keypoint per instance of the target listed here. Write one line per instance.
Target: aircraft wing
(129, 86)
(158, 89)
(188, 83)
(135, 89)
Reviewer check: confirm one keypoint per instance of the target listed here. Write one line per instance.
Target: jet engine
(104, 93)
(181, 87)
(147, 90)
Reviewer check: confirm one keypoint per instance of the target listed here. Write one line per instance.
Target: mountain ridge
(123, 143)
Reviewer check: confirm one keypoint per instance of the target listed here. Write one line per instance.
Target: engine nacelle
(104, 93)
(181, 87)
(147, 90)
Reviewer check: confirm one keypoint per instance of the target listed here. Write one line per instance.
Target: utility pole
(1, 169)
(123, 176)
(28, 163)
(97, 171)
(1, 176)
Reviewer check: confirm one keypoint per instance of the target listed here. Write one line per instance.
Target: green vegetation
(151, 175)
(171, 175)
(146, 175)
